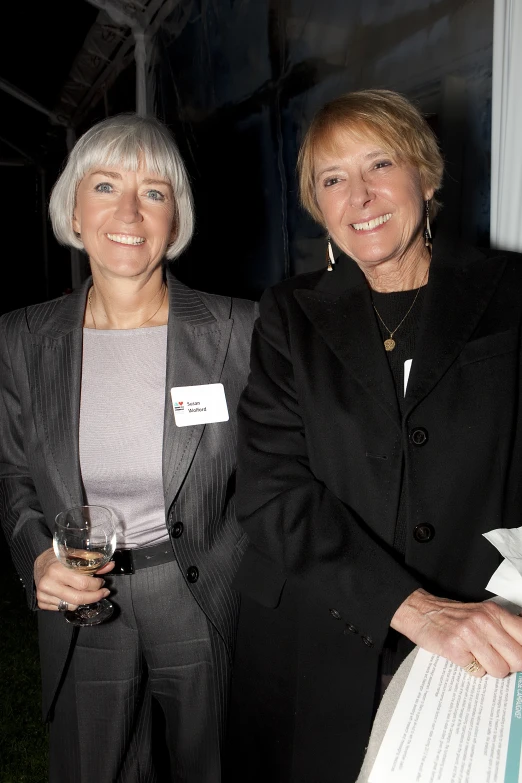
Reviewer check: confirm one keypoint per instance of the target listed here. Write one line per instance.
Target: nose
(360, 193)
(127, 209)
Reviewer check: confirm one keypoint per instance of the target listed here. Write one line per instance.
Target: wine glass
(84, 540)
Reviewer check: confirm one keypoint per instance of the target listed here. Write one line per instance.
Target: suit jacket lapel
(53, 351)
(197, 346)
(340, 308)
(462, 282)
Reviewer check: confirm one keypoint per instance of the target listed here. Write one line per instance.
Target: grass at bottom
(23, 736)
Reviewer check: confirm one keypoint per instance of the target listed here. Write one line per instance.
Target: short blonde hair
(123, 140)
(382, 115)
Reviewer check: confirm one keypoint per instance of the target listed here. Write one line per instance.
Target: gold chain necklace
(89, 298)
(390, 343)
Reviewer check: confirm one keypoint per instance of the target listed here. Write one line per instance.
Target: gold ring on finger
(472, 667)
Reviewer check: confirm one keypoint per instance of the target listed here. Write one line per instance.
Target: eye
(381, 164)
(331, 181)
(103, 187)
(155, 195)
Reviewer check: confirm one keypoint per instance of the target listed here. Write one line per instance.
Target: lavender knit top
(121, 429)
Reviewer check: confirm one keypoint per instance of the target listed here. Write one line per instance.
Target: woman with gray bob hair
(130, 141)
(123, 394)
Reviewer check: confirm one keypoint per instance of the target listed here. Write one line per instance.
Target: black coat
(322, 447)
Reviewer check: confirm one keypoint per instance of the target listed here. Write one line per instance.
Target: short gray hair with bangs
(126, 140)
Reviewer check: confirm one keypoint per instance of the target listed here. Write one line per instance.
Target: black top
(392, 308)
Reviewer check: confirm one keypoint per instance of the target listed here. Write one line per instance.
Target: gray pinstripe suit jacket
(40, 381)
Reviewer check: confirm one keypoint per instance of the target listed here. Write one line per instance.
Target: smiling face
(126, 219)
(372, 203)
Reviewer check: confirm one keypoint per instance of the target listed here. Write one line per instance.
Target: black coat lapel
(340, 308)
(196, 350)
(461, 284)
(53, 352)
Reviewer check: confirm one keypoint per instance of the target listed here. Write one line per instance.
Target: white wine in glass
(84, 540)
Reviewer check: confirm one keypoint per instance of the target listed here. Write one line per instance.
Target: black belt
(129, 560)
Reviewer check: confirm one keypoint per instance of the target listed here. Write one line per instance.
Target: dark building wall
(239, 82)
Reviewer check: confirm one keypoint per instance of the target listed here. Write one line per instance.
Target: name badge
(203, 404)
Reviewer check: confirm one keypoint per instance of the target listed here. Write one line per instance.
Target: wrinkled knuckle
(76, 596)
(40, 587)
(468, 629)
(484, 621)
(491, 609)
(455, 650)
(39, 597)
(481, 622)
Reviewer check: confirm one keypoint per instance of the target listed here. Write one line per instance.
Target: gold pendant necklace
(389, 343)
(135, 327)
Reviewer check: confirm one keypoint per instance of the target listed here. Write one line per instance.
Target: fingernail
(106, 593)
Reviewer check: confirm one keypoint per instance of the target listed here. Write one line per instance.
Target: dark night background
(237, 82)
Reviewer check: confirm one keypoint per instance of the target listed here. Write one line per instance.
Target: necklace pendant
(389, 344)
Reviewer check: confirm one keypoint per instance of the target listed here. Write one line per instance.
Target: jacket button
(192, 574)
(368, 641)
(419, 436)
(335, 614)
(177, 529)
(350, 629)
(423, 533)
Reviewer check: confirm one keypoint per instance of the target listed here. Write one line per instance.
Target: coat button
(349, 628)
(368, 641)
(423, 533)
(177, 529)
(192, 574)
(335, 614)
(419, 436)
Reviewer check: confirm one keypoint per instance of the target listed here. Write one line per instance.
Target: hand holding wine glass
(84, 541)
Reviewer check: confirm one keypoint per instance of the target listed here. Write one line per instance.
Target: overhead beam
(14, 163)
(123, 31)
(29, 160)
(22, 96)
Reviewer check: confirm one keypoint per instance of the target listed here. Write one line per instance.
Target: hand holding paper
(450, 726)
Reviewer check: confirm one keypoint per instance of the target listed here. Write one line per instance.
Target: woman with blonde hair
(380, 434)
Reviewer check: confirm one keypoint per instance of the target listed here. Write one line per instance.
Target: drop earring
(427, 229)
(330, 260)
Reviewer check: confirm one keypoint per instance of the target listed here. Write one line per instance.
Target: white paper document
(449, 727)
(507, 579)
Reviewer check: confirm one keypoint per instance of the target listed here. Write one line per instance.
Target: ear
(76, 224)
(428, 193)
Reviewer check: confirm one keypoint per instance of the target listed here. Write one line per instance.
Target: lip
(118, 238)
(384, 218)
